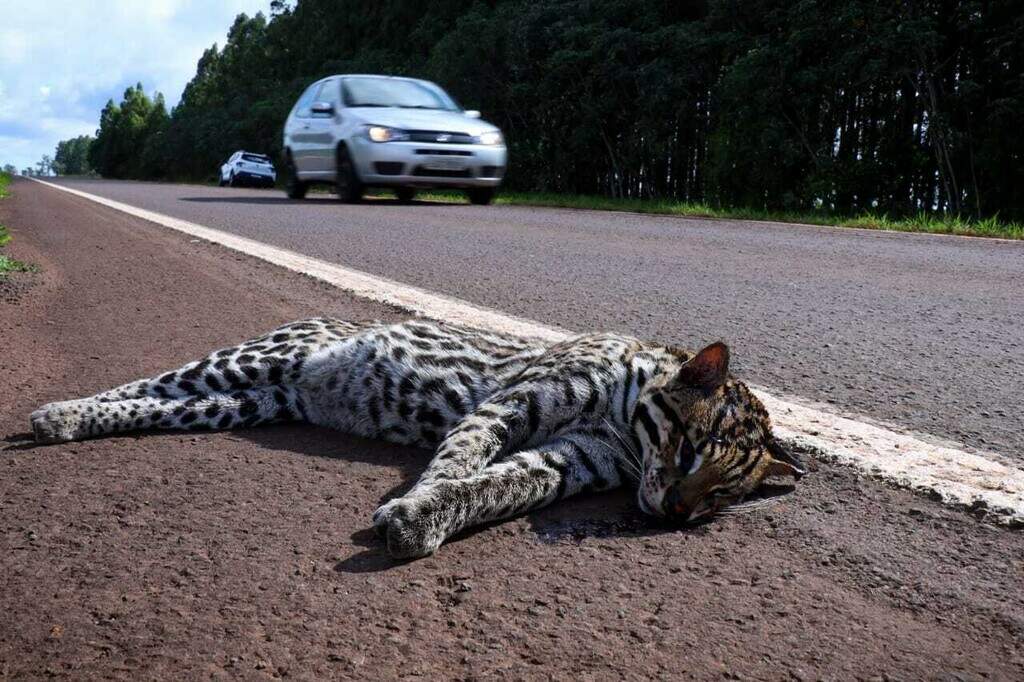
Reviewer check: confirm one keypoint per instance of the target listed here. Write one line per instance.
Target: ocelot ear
(783, 462)
(707, 370)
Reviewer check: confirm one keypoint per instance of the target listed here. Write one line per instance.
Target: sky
(61, 60)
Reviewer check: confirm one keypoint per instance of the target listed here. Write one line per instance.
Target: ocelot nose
(674, 505)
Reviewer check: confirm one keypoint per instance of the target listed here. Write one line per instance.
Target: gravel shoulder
(249, 553)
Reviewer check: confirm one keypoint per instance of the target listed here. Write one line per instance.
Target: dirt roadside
(247, 553)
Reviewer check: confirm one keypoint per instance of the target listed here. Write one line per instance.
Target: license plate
(444, 164)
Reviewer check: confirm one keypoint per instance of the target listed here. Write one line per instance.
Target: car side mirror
(322, 109)
(471, 113)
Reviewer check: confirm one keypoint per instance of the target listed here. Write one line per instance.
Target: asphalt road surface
(249, 554)
(924, 332)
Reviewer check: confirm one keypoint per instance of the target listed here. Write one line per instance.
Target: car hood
(422, 119)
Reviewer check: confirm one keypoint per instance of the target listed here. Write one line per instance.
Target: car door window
(306, 101)
(323, 94)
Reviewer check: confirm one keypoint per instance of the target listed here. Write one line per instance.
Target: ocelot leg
(502, 425)
(88, 417)
(417, 524)
(240, 386)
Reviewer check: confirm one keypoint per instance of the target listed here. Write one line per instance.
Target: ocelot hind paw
(56, 423)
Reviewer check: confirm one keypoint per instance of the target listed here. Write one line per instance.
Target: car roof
(372, 75)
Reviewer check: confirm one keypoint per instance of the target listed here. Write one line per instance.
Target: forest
(844, 107)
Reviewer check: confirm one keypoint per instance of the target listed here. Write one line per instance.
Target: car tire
(222, 182)
(293, 187)
(231, 181)
(347, 183)
(481, 196)
(405, 195)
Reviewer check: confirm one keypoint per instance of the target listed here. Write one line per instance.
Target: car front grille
(388, 167)
(492, 171)
(443, 152)
(440, 136)
(423, 172)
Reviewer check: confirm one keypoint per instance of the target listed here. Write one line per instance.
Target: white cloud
(61, 60)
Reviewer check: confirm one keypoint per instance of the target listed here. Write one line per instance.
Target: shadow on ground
(612, 514)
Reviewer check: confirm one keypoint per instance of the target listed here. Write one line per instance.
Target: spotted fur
(514, 424)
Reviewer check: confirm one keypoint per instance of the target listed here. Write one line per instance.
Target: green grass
(991, 227)
(8, 264)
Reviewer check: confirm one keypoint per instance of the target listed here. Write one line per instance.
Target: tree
(45, 165)
(72, 156)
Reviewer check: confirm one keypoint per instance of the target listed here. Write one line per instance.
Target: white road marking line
(979, 482)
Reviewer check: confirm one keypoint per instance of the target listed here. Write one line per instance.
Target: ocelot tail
(514, 424)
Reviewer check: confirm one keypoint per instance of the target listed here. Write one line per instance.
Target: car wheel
(231, 180)
(481, 196)
(221, 182)
(405, 194)
(350, 189)
(293, 187)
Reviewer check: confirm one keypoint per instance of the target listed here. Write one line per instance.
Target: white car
(364, 131)
(246, 168)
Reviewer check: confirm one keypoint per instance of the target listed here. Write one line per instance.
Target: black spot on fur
(191, 374)
(373, 408)
(454, 401)
(430, 416)
(499, 431)
(406, 386)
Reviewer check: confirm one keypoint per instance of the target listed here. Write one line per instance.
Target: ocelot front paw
(59, 422)
(411, 526)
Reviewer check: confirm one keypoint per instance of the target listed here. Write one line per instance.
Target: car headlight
(386, 134)
(491, 137)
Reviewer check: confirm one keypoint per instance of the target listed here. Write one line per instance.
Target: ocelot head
(706, 440)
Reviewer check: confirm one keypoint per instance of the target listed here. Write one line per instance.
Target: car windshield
(393, 92)
(255, 158)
